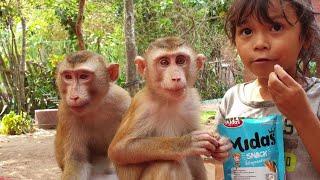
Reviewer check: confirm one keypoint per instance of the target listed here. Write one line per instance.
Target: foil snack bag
(258, 149)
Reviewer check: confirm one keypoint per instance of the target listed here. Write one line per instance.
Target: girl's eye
(277, 27)
(246, 31)
(181, 60)
(164, 62)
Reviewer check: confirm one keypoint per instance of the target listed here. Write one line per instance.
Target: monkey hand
(221, 152)
(202, 143)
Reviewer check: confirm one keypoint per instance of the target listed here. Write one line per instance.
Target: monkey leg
(102, 165)
(76, 170)
(197, 168)
(167, 170)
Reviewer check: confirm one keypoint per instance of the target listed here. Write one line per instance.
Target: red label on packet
(233, 123)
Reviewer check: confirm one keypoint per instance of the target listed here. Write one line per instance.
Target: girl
(274, 39)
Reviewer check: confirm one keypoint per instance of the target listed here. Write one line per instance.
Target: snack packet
(258, 150)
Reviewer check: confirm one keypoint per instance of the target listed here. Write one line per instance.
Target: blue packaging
(258, 149)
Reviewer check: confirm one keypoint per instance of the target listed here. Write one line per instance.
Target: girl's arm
(292, 102)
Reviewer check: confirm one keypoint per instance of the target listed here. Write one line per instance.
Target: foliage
(40, 87)
(206, 115)
(200, 22)
(209, 84)
(13, 52)
(15, 124)
(50, 36)
(67, 12)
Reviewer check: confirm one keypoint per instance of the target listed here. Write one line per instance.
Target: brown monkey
(89, 114)
(159, 137)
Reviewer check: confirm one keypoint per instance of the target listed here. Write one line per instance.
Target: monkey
(159, 136)
(90, 110)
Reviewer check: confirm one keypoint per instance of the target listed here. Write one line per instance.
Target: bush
(15, 124)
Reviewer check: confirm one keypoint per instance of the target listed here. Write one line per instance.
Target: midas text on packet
(258, 149)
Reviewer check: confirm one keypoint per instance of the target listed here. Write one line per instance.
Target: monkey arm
(139, 150)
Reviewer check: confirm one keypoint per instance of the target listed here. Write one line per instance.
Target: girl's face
(261, 45)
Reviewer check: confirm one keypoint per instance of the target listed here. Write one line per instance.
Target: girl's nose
(261, 42)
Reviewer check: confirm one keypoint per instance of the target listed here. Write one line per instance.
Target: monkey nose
(176, 79)
(75, 98)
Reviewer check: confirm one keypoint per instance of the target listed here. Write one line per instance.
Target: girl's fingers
(274, 84)
(274, 94)
(284, 77)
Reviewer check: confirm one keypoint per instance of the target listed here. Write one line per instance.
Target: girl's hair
(310, 33)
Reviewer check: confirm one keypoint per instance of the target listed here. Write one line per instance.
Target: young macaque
(159, 137)
(90, 111)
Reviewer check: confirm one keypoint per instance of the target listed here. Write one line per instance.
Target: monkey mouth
(176, 91)
(78, 108)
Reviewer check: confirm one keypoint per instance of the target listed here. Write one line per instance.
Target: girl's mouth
(262, 60)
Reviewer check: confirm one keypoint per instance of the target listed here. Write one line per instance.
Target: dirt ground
(31, 156)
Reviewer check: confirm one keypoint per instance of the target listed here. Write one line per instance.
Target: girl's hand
(288, 95)
(222, 150)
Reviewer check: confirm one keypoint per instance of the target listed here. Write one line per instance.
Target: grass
(206, 115)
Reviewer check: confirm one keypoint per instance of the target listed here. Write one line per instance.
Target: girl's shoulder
(236, 90)
(232, 91)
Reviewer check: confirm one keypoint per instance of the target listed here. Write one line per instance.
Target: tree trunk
(6, 74)
(15, 67)
(4, 78)
(131, 50)
(22, 68)
(13, 72)
(78, 29)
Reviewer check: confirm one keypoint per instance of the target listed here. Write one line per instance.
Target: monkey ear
(113, 71)
(200, 61)
(140, 65)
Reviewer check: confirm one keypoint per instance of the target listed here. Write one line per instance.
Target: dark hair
(240, 10)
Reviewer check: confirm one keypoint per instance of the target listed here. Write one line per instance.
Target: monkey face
(169, 66)
(82, 84)
(169, 72)
(76, 91)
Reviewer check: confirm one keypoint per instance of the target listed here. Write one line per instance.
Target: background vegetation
(37, 34)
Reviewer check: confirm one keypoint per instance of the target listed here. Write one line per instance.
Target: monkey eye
(84, 76)
(68, 76)
(180, 60)
(164, 62)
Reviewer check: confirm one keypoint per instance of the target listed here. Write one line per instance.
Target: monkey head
(169, 66)
(83, 80)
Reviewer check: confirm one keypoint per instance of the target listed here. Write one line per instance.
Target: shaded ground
(31, 156)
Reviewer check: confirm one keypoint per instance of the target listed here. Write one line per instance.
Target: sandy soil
(31, 156)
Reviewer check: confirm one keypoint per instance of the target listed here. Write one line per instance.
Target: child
(273, 39)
